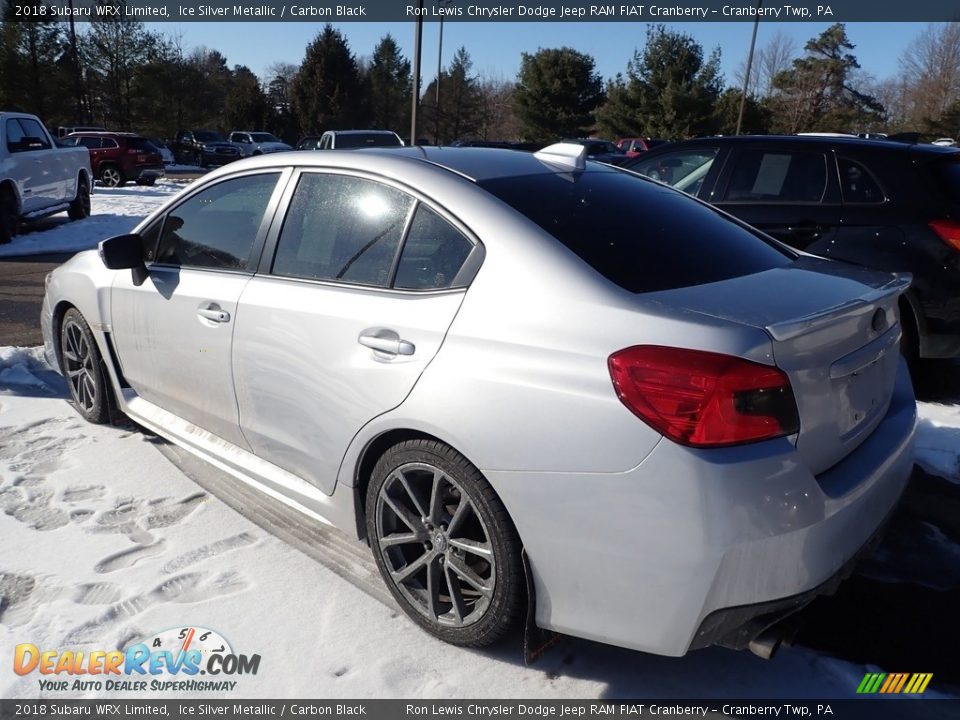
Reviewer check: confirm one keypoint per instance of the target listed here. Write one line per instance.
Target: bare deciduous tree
(930, 67)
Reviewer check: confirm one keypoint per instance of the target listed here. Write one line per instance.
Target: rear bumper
(642, 559)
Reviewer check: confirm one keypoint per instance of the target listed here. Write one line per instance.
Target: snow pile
(114, 211)
(938, 439)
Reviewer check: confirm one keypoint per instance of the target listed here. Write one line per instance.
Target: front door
(174, 330)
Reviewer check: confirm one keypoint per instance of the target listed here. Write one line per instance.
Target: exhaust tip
(766, 644)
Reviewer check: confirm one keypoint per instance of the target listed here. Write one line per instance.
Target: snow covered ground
(114, 211)
(104, 542)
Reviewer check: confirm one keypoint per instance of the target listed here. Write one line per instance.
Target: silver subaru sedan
(521, 378)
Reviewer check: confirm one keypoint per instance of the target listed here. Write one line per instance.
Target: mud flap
(536, 641)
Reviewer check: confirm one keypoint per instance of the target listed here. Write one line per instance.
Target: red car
(634, 146)
(116, 157)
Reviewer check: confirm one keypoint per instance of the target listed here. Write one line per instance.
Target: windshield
(665, 241)
(264, 137)
(208, 136)
(361, 140)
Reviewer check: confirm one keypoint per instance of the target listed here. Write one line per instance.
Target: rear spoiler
(794, 328)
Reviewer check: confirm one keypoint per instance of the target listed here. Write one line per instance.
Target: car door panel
(171, 354)
(787, 193)
(307, 381)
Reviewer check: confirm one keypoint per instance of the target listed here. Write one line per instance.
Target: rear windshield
(263, 137)
(360, 140)
(208, 136)
(947, 174)
(637, 234)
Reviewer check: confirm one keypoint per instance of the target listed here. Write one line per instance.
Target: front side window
(342, 228)
(216, 228)
(433, 253)
(685, 170)
(778, 177)
(33, 129)
(15, 135)
(91, 143)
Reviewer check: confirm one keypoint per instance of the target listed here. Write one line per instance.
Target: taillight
(948, 231)
(704, 399)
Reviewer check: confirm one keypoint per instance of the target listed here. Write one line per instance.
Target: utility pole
(746, 77)
(417, 47)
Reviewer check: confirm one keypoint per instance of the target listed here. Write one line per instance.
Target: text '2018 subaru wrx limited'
(678, 429)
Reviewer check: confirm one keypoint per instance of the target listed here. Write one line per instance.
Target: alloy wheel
(435, 544)
(80, 364)
(110, 177)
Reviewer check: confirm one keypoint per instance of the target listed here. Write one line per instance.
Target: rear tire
(9, 220)
(80, 207)
(84, 369)
(910, 338)
(444, 543)
(112, 176)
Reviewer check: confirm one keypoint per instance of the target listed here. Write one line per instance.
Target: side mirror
(122, 252)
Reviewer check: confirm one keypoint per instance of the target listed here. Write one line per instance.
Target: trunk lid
(834, 330)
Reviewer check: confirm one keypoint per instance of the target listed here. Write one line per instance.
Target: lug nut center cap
(440, 542)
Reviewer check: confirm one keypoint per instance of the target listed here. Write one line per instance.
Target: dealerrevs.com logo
(185, 659)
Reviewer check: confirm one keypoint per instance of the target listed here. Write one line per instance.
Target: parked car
(257, 143)
(204, 148)
(601, 150)
(889, 205)
(166, 154)
(118, 157)
(636, 145)
(37, 177)
(430, 349)
(351, 140)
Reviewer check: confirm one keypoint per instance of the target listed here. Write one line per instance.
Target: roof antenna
(569, 156)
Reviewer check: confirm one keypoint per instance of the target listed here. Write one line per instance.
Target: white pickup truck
(37, 177)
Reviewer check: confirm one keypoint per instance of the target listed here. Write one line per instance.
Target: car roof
(104, 133)
(472, 163)
(360, 132)
(887, 144)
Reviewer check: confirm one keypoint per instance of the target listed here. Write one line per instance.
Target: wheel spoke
(433, 588)
(459, 514)
(412, 495)
(465, 572)
(406, 572)
(436, 499)
(401, 512)
(74, 373)
(484, 550)
(456, 596)
(400, 539)
(91, 390)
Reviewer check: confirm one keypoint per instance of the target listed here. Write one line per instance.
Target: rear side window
(91, 143)
(684, 169)
(778, 177)
(857, 184)
(433, 253)
(216, 228)
(342, 228)
(667, 240)
(946, 173)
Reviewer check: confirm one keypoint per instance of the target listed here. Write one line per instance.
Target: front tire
(444, 543)
(9, 222)
(84, 369)
(80, 207)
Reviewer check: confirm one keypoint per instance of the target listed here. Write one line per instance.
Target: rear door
(358, 290)
(174, 329)
(789, 191)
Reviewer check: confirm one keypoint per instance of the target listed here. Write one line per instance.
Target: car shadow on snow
(937, 380)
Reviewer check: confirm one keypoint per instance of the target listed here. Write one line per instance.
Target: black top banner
(667, 11)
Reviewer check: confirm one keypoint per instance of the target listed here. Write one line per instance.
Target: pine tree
(326, 91)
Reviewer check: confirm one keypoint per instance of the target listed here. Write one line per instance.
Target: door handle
(386, 341)
(214, 314)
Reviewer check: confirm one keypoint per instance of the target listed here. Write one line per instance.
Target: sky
(496, 47)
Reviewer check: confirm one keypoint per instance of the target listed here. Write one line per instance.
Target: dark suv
(117, 157)
(204, 148)
(888, 205)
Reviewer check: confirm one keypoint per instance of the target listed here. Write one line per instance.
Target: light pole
(417, 46)
(746, 77)
(444, 3)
